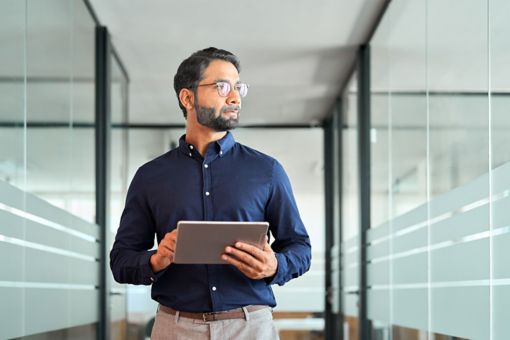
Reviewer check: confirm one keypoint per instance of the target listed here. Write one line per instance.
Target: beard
(207, 117)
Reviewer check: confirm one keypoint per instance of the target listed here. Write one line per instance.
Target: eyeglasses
(224, 88)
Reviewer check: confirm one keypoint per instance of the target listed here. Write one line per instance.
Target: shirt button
(190, 154)
(221, 152)
(214, 288)
(191, 147)
(206, 166)
(207, 193)
(152, 279)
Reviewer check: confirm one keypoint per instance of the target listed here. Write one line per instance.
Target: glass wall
(48, 239)
(437, 247)
(49, 242)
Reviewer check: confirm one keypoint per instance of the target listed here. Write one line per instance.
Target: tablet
(203, 242)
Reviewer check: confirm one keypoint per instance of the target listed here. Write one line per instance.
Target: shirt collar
(222, 146)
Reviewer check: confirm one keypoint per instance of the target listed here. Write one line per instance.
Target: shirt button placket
(207, 187)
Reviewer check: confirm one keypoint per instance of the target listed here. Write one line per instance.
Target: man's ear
(187, 98)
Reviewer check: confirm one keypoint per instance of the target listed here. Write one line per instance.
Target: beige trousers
(257, 325)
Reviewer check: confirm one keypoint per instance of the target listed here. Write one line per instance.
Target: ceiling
(294, 54)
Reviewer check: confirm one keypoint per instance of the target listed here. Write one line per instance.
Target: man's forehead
(220, 69)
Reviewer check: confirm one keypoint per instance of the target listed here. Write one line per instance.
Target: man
(209, 176)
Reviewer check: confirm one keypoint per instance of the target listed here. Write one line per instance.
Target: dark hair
(192, 69)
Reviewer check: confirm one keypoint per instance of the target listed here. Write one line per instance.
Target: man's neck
(201, 136)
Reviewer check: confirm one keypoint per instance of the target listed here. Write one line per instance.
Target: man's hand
(251, 261)
(164, 256)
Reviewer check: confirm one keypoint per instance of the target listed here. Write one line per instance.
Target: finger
(171, 235)
(246, 258)
(166, 247)
(252, 250)
(164, 255)
(243, 267)
(169, 242)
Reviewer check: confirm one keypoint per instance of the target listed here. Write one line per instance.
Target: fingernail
(238, 244)
(228, 249)
(224, 257)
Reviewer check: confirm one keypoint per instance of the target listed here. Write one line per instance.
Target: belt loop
(177, 314)
(246, 313)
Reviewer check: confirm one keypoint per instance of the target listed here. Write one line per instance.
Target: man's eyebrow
(226, 80)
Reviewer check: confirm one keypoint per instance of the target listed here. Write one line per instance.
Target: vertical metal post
(328, 195)
(364, 183)
(339, 126)
(102, 147)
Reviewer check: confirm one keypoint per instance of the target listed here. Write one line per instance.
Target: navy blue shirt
(231, 182)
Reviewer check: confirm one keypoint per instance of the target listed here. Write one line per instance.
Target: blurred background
(390, 118)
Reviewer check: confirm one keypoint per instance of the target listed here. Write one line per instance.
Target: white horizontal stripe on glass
(350, 250)
(45, 285)
(465, 239)
(46, 223)
(49, 249)
(447, 284)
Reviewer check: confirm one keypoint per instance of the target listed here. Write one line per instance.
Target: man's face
(212, 110)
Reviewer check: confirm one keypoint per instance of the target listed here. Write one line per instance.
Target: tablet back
(203, 242)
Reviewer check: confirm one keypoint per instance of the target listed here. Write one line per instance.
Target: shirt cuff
(281, 269)
(148, 276)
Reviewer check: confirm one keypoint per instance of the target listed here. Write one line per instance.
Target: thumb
(266, 245)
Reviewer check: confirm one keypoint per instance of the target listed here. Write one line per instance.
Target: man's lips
(232, 111)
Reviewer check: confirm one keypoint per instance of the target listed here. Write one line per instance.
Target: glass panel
(49, 65)
(379, 297)
(12, 161)
(430, 170)
(46, 86)
(350, 212)
(118, 189)
(60, 105)
(12, 88)
(459, 149)
(499, 53)
(81, 198)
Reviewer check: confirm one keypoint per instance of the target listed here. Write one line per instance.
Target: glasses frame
(217, 83)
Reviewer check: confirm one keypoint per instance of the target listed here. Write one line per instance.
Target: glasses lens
(223, 88)
(242, 88)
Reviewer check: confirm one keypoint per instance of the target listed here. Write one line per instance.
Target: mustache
(231, 108)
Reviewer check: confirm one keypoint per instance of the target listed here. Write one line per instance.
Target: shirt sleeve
(130, 254)
(292, 243)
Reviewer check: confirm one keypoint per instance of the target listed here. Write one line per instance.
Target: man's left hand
(253, 262)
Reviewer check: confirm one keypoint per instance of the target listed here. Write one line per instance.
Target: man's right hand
(164, 256)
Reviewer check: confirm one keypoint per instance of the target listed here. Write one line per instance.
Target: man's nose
(234, 98)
